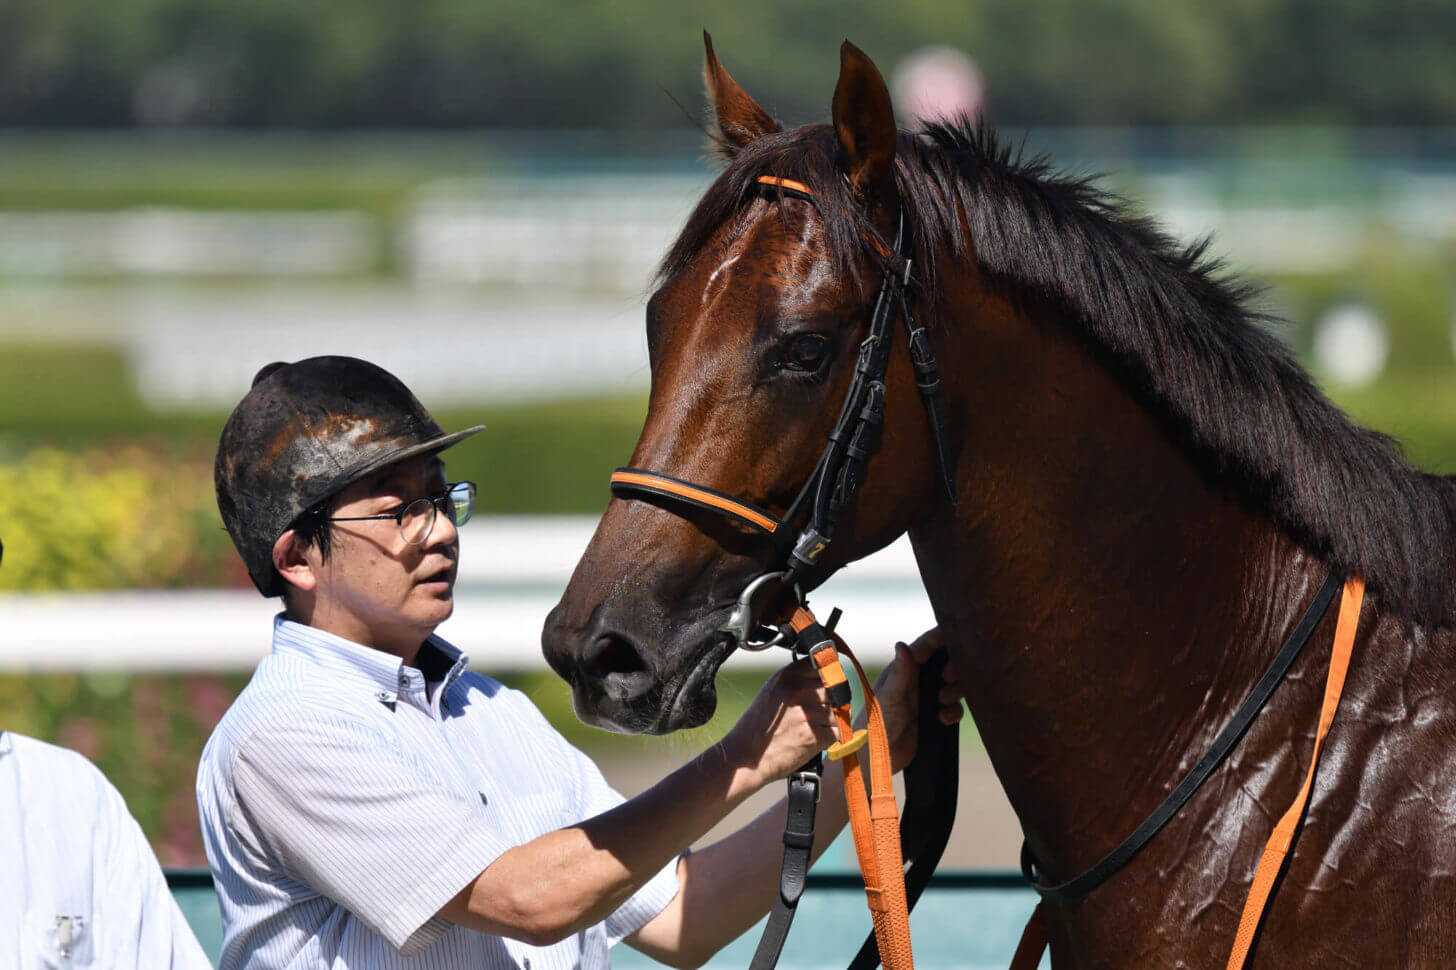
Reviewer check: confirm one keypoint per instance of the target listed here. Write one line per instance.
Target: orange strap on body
(1282, 837)
(874, 819)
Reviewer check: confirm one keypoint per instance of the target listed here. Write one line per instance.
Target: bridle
(891, 886)
(837, 476)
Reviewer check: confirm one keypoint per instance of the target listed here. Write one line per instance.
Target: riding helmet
(303, 432)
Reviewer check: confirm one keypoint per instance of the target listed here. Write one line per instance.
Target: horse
(1147, 491)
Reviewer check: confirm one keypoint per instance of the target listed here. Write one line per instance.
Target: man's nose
(443, 530)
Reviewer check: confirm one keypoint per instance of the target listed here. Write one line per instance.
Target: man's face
(375, 588)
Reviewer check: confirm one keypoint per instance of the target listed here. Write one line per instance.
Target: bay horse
(1148, 491)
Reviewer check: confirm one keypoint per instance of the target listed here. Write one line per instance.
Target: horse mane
(1184, 338)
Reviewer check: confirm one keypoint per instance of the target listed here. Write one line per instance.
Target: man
(367, 801)
(79, 885)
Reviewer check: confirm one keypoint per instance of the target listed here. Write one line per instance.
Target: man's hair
(311, 528)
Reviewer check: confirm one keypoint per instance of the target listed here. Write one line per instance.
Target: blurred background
(474, 195)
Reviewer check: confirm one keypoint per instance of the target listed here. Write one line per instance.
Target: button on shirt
(79, 886)
(345, 798)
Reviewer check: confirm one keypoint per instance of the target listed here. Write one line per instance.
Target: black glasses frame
(435, 502)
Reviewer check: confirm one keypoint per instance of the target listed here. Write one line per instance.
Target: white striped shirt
(345, 798)
(79, 886)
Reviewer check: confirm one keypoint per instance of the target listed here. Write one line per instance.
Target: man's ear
(740, 119)
(291, 560)
(864, 121)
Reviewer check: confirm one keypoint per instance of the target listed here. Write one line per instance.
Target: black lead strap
(803, 799)
(1222, 745)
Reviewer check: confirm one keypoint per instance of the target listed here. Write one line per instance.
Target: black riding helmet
(304, 432)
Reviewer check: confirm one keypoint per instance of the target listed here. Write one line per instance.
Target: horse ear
(740, 119)
(864, 120)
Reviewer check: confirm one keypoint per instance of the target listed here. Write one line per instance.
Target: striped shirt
(346, 797)
(79, 886)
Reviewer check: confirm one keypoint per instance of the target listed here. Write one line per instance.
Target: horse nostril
(615, 662)
(612, 654)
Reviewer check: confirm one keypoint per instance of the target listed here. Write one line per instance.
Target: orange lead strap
(874, 820)
(1280, 840)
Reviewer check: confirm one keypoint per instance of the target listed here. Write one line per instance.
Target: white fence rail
(512, 572)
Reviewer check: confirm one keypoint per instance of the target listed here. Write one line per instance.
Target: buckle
(812, 779)
(741, 624)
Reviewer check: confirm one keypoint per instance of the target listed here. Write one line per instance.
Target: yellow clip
(839, 749)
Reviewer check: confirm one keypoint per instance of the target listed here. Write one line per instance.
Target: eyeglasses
(416, 519)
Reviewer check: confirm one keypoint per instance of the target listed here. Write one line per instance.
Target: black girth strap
(1222, 745)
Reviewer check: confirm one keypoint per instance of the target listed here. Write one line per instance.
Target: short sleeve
(595, 797)
(338, 807)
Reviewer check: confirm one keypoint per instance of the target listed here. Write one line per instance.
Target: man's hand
(897, 689)
(787, 724)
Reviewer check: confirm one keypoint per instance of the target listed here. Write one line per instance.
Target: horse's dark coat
(1186, 339)
(1150, 490)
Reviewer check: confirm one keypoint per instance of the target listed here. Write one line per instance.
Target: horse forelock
(1183, 336)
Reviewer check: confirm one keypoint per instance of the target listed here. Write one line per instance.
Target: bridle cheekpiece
(836, 479)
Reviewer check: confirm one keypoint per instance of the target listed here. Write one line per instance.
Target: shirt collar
(383, 670)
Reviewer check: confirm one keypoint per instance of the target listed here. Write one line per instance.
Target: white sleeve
(137, 924)
(338, 807)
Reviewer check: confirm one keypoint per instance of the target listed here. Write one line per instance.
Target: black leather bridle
(930, 779)
(836, 479)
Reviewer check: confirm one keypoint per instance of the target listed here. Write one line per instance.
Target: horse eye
(806, 353)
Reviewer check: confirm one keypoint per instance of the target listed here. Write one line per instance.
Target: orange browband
(785, 184)
(697, 495)
(800, 187)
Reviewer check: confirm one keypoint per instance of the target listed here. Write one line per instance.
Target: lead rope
(874, 819)
(1276, 851)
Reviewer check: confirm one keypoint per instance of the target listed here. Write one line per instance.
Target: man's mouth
(444, 577)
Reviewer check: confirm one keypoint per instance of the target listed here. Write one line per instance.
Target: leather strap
(659, 489)
(931, 780)
(1280, 840)
(875, 822)
(1033, 940)
(873, 818)
(1034, 937)
(1212, 758)
(798, 848)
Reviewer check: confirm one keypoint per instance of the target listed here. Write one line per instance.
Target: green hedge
(123, 517)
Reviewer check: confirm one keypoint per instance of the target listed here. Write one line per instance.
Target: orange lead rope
(874, 820)
(1282, 837)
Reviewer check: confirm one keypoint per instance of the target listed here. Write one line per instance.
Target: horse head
(753, 337)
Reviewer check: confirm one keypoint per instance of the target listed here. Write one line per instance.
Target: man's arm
(727, 887)
(564, 881)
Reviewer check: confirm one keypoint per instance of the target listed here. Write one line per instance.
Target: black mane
(1184, 337)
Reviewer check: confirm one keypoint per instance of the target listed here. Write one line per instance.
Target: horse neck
(1109, 607)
